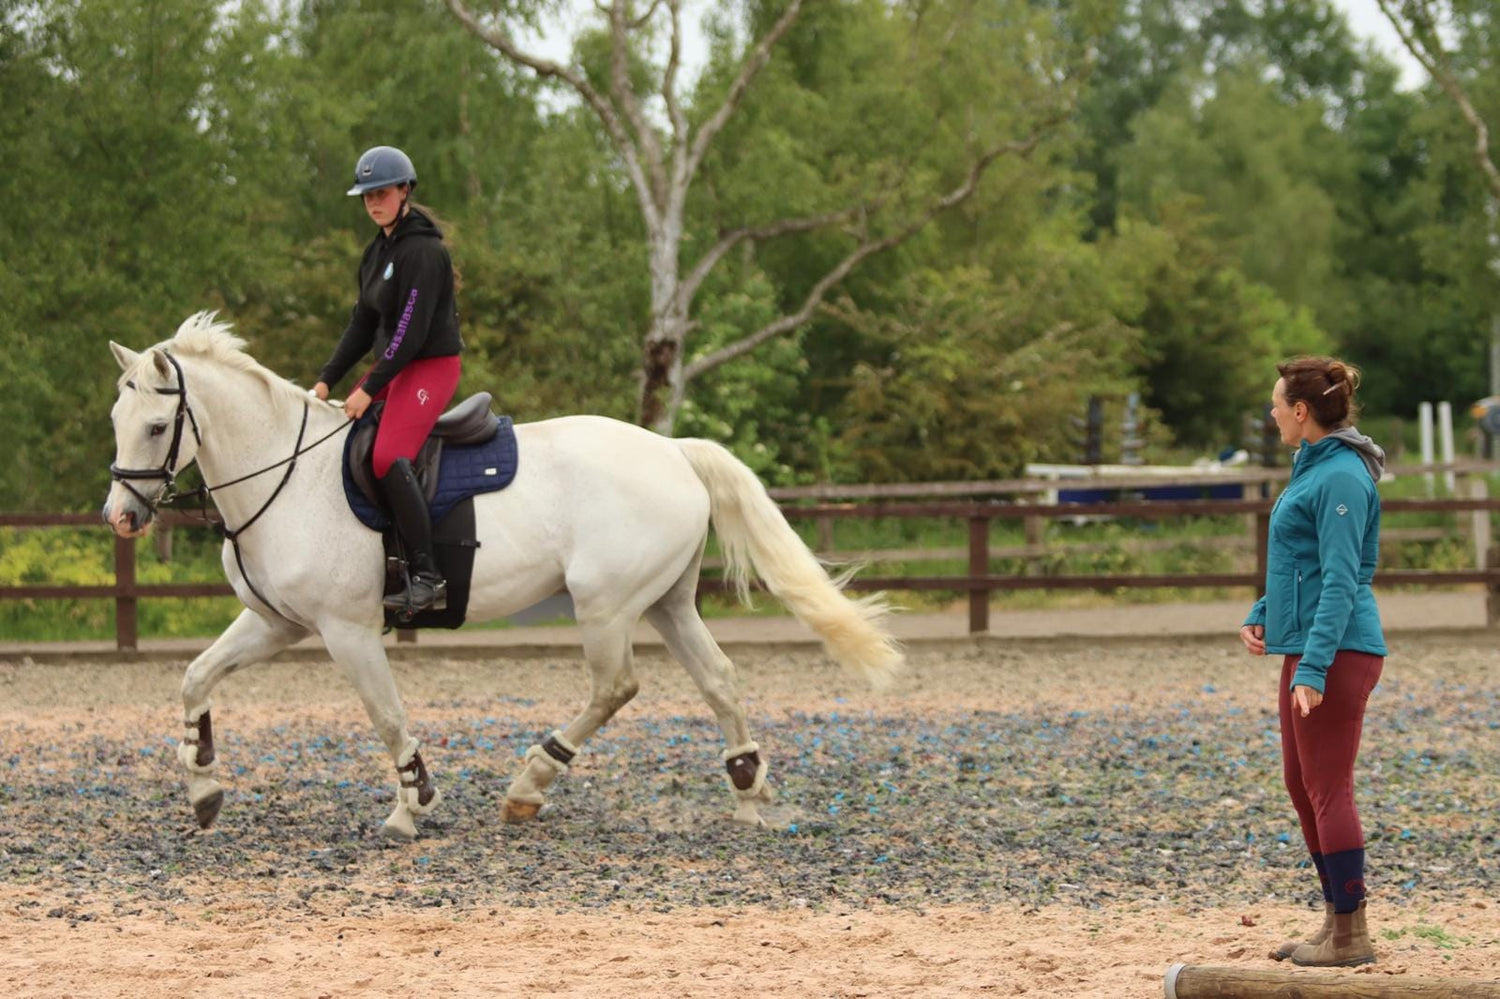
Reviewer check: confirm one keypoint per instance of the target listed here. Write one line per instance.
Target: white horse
(614, 514)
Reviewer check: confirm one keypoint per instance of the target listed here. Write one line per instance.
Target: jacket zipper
(1297, 603)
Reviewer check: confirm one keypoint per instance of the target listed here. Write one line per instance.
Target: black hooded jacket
(405, 309)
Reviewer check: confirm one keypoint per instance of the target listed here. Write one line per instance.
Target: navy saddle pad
(463, 471)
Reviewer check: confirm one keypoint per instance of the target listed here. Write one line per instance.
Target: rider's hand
(321, 391)
(1305, 699)
(356, 404)
(1254, 637)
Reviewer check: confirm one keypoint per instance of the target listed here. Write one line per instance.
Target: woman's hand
(1305, 699)
(321, 391)
(1254, 637)
(356, 404)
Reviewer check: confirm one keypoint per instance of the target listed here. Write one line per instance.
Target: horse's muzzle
(127, 518)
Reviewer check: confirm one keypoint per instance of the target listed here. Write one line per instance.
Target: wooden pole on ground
(1186, 981)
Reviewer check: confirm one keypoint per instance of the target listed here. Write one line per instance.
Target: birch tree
(1421, 25)
(661, 134)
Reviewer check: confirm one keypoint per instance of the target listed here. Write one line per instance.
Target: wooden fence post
(1492, 590)
(125, 599)
(825, 535)
(1479, 489)
(1250, 491)
(162, 538)
(1036, 537)
(979, 567)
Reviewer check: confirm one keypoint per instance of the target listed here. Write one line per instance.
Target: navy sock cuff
(1346, 878)
(1317, 859)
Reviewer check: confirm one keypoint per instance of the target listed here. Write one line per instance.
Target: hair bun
(1343, 375)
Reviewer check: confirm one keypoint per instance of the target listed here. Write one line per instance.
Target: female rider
(406, 311)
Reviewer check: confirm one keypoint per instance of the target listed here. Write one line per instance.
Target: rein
(168, 473)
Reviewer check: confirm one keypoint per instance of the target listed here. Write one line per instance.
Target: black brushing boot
(425, 586)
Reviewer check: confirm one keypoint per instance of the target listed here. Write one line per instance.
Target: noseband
(168, 470)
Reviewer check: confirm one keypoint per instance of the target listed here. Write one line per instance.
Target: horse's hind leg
(357, 648)
(689, 641)
(607, 646)
(250, 639)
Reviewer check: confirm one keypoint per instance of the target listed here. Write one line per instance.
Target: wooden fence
(978, 581)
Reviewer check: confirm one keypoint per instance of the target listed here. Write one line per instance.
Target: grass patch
(1436, 935)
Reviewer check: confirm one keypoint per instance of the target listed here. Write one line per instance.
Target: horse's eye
(157, 429)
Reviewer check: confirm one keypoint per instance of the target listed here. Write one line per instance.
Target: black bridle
(168, 470)
(168, 473)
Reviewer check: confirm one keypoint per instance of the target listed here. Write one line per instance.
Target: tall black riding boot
(425, 585)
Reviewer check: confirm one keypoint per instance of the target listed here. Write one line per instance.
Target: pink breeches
(414, 400)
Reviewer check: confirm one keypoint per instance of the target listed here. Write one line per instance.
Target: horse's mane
(204, 335)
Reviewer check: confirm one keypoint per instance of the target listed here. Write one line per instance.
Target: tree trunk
(661, 360)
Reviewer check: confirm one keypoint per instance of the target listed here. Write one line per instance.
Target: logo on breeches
(422, 396)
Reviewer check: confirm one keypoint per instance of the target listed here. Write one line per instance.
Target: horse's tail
(752, 531)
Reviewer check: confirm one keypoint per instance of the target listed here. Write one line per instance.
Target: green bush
(72, 556)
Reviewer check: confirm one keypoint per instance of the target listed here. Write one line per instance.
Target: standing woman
(1319, 613)
(406, 311)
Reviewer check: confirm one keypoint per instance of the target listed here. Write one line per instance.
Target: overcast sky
(1366, 20)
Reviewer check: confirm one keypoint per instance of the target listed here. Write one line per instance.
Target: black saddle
(468, 423)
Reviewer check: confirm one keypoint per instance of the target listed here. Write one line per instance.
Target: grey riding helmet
(380, 167)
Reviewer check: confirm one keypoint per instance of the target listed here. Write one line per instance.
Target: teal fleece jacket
(1325, 539)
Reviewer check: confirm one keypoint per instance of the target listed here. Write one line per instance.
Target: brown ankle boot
(1346, 946)
(1285, 950)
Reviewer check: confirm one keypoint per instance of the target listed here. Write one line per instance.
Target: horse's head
(156, 437)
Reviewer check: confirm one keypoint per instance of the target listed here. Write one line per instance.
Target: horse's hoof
(206, 808)
(399, 827)
(517, 812)
(746, 814)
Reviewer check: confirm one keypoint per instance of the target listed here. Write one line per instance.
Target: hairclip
(1332, 387)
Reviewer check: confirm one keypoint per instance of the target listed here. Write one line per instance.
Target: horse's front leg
(358, 649)
(250, 639)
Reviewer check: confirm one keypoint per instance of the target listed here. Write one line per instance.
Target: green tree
(124, 209)
(882, 204)
(1263, 169)
(982, 372)
(1462, 70)
(1303, 49)
(1211, 335)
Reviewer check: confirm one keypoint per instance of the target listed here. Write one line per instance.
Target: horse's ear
(160, 360)
(124, 355)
